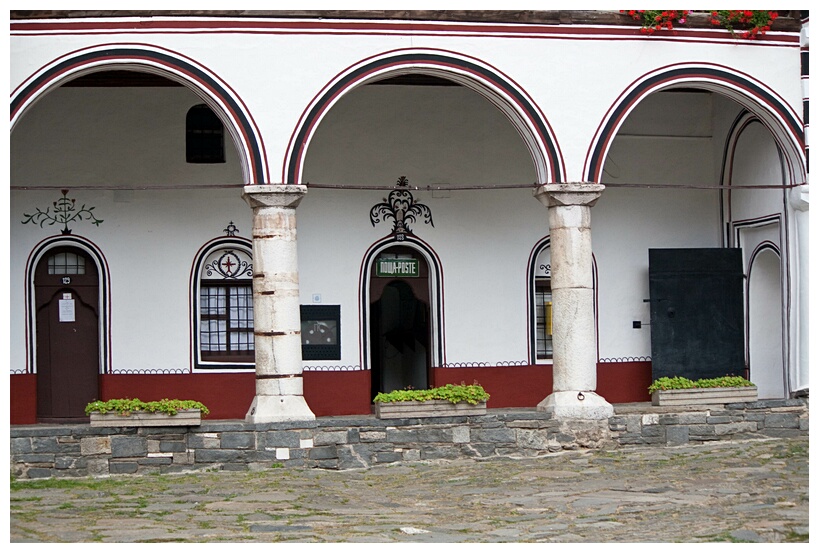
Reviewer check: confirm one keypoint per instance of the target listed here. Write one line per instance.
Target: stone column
(575, 351)
(276, 310)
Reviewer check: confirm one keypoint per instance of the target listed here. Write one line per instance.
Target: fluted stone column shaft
(276, 307)
(575, 354)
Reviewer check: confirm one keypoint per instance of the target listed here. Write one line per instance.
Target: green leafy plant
(454, 393)
(125, 407)
(682, 383)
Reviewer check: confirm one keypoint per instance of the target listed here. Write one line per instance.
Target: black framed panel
(320, 332)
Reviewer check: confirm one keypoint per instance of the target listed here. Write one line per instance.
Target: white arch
(217, 94)
(772, 110)
(765, 324)
(472, 73)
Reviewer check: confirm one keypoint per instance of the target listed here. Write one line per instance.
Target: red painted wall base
(23, 398)
(332, 393)
(528, 385)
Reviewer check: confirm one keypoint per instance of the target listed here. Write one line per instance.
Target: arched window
(223, 299)
(539, 294)
(543, 305)
(205, 136)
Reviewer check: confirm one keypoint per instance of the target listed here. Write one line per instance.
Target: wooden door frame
(40, 251)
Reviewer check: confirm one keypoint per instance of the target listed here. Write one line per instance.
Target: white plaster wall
(574, 82)
(756, 162)
(149, 239)
(128, 138)
(482, 237)
(95, 136)
(434, 135)
(485, 321)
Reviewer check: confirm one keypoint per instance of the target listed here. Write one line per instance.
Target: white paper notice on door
(66, 309)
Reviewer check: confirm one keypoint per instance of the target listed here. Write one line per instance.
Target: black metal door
(697, 315)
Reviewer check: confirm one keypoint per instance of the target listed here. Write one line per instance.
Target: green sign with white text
(396, 268)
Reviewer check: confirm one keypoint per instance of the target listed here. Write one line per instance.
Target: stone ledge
(44, 451)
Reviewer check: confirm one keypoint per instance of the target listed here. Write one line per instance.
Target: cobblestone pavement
(753, 491)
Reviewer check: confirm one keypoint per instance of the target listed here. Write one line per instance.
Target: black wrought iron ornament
(231, 229)
(229, 265)
(402, 208)
(65, 211)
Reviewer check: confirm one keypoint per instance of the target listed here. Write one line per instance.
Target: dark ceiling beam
(789, 20)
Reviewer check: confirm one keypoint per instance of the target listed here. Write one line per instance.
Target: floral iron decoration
(229, 266)
(756, 22)
(402, 208)
(65, 211)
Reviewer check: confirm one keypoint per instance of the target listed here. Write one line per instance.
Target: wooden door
(67, 313)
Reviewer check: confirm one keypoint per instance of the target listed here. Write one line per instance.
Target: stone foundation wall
(44, 451)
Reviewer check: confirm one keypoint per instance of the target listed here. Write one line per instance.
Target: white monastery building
(280, 214)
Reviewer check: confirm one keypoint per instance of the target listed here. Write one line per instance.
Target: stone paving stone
(725, 491)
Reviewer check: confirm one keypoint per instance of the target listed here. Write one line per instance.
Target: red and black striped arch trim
(691, 76)
(442, 61)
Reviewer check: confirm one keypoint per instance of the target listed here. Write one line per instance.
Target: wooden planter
(429, 408)
(184, 417)
(704, 396)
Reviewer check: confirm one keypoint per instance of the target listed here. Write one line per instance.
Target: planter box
(430, 408)
(184, 417)
(704, 396)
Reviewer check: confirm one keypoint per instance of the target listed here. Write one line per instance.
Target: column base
(279, 409)
(568, 405)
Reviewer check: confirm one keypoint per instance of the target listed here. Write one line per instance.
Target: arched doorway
(66, 284)
(399, 321)
(765, 325)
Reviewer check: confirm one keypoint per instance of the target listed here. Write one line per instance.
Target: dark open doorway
(399, 321)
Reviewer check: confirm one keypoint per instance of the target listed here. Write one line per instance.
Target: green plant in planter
(682, 383)
(127, 406)
(454, 393)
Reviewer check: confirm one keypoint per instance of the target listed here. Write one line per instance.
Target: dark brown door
(67, 310)
(400, 327)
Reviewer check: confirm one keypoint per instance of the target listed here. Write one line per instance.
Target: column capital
(274, 195)
(569, 193)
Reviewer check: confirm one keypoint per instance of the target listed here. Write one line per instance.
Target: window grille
(226, 325)
(543, 317)
(66, 263)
